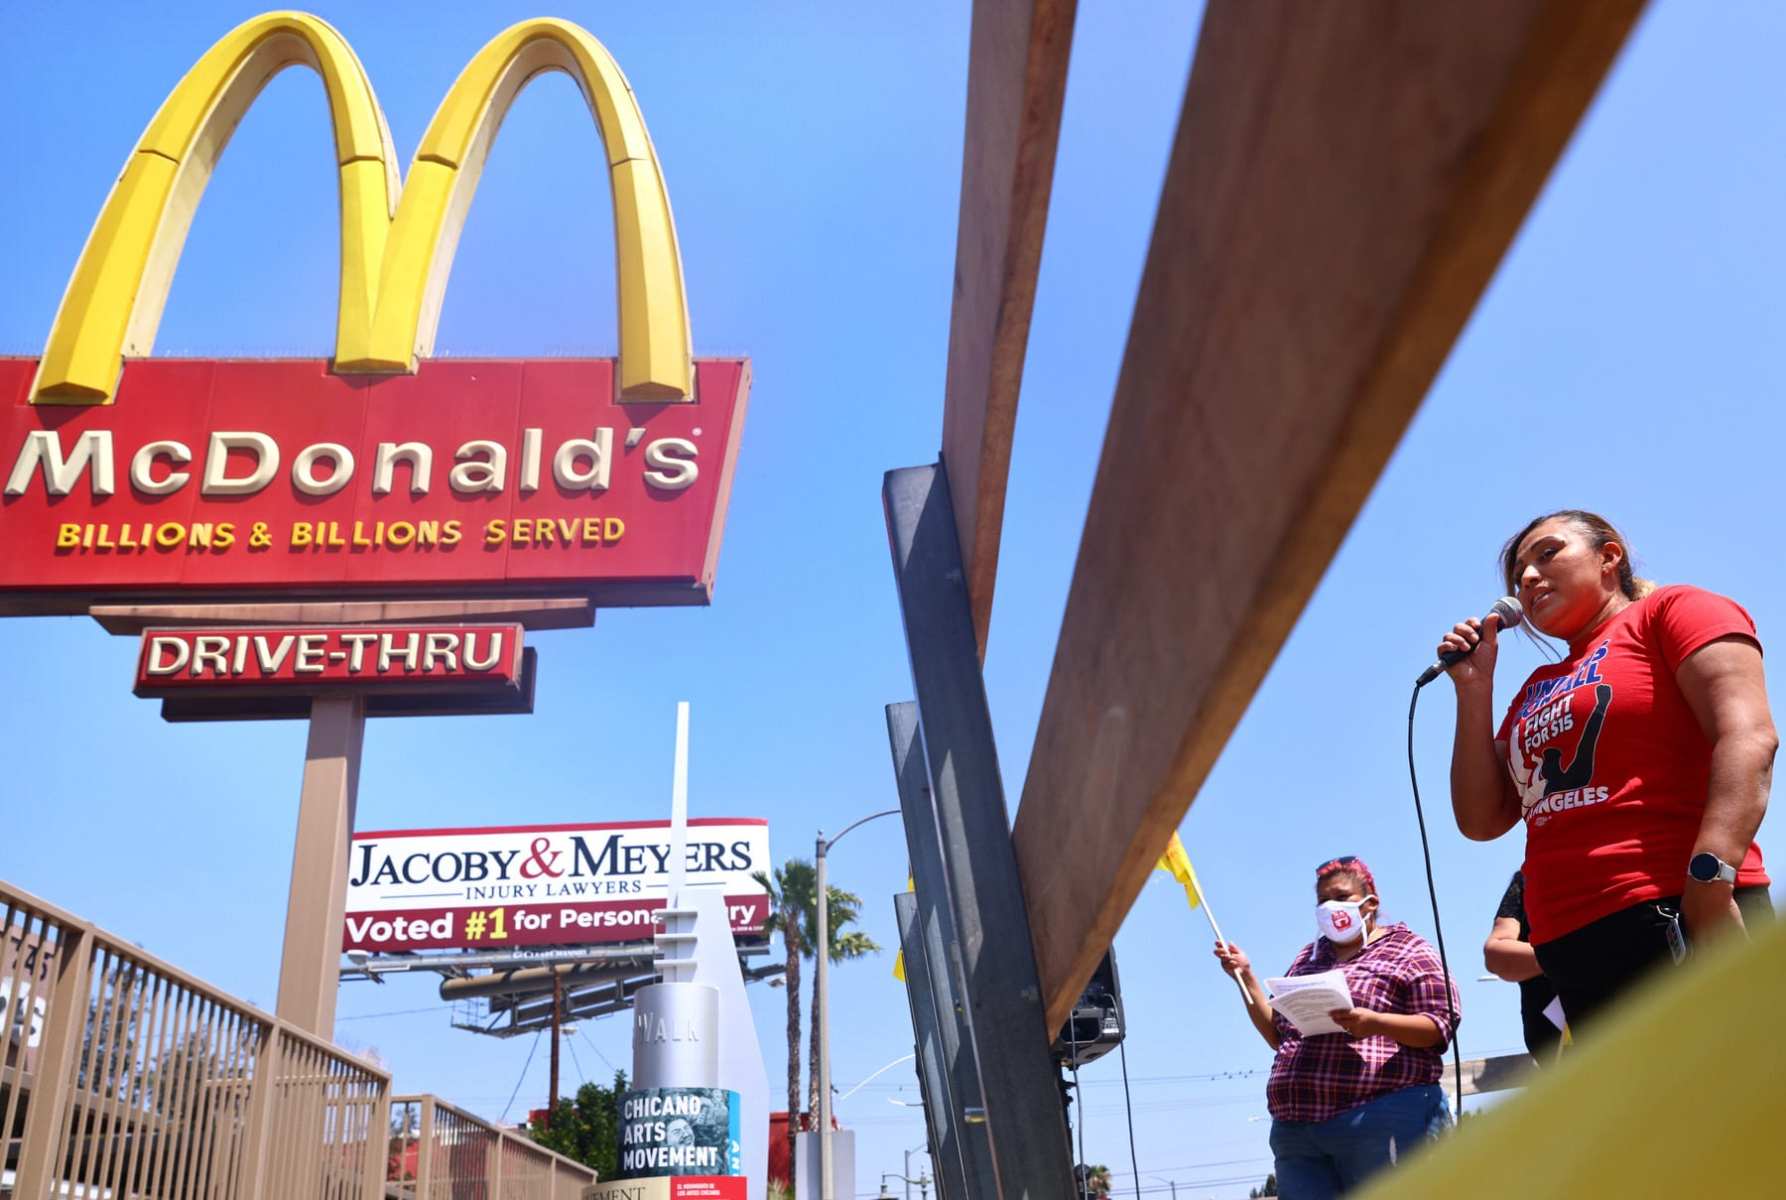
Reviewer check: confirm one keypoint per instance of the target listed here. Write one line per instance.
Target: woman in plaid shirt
(1344, 1105)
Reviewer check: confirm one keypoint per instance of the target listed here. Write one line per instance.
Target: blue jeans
(1317, 1160)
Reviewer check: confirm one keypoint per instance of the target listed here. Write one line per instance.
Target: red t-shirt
(1611, 766)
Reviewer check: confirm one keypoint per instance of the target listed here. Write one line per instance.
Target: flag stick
(1203, 903)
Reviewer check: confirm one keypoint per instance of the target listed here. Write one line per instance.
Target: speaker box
(1096, 1025)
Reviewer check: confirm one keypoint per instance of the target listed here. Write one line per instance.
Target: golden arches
(397, 242)
(115, 297)
(655, 353)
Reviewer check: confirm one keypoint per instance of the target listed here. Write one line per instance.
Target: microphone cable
(1128, 1103)
(1432, 893)
(1081, 1185)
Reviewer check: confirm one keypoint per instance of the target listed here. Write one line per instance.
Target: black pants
(1594, 965)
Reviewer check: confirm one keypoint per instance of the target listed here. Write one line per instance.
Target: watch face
(1704, 867)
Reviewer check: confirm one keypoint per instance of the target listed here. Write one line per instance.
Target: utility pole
(557, 1024)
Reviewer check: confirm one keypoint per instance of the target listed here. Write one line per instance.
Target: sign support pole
(999, 986)
(310, 971)
(954, 1099)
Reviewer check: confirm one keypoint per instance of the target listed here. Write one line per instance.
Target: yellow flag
(1176, 863)
(911, 885)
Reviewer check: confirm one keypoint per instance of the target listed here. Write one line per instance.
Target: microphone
(1506, 608)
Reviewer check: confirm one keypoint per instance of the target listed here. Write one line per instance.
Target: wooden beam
(1016, 81)
(1344, 181)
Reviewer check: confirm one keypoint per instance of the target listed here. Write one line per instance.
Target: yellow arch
(396, 253)
(655, 351)
(115, 297)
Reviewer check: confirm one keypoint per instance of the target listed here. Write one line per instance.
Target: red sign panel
(376, 656)
(275, 478)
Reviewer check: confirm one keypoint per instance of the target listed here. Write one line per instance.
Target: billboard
(124, 477)
(493, 889)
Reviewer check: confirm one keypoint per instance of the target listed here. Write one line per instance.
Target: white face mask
(1340, 920)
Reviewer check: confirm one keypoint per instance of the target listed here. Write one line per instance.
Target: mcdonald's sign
(124, 476)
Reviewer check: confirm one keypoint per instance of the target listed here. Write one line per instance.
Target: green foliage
(1268, 1188)
(841, 911)
(587, 1128)
(790, 897)
(794, 913)
(844, 910)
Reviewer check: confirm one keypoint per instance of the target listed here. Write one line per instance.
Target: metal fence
(438, 1152)
(125, 1077)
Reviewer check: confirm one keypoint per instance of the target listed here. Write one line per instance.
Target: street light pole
(1171, 1183)
(908, 1175)
(822, 994)
(923, 1182)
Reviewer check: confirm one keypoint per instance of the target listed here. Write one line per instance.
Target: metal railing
(123, 1076)
(439, 1152)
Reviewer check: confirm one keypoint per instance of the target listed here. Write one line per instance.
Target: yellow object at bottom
(1681, 1092)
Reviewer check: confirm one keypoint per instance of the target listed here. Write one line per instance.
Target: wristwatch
(1706, 867)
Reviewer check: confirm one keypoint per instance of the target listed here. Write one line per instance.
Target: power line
(1200, 1166)
(598, 1050)
(518, 1082)
(1138, 1080)
(399, 1012)
(571, 1045)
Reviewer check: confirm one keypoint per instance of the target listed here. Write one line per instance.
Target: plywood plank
(1343, 183)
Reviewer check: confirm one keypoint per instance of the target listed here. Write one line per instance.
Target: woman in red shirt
(1639, 763)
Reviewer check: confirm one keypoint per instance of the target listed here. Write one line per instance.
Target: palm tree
(844, 908)
(790, 900)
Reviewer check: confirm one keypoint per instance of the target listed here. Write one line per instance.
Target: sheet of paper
(1305, 1000)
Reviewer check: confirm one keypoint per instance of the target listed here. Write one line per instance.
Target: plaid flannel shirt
(1318, 1077)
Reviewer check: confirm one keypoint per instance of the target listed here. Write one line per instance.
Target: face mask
(1340, 920)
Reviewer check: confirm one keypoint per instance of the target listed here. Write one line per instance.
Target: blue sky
(1619, 362)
